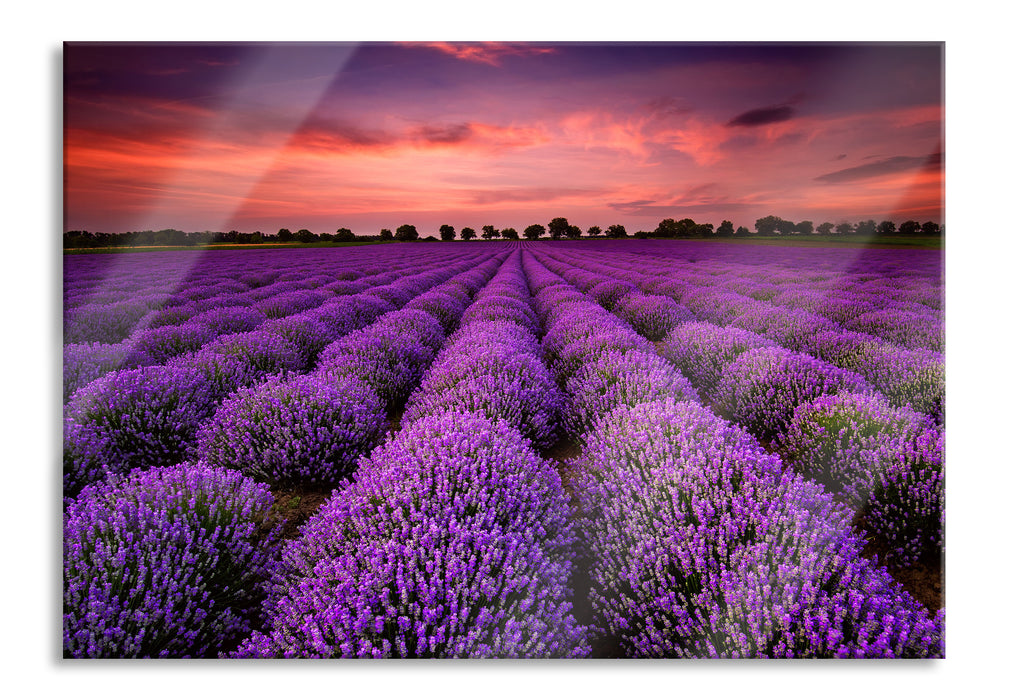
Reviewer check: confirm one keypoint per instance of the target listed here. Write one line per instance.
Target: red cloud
(489, 52)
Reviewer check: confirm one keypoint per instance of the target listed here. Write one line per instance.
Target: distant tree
(909, 228)
(616, 231)
(865, 228)
(573, 231)
(534, 231)
(767, 225)
(385, 235)
(844, 229)
(642, 234)
(305, 236)
(407, 232)
(558, 227)
(344, 234)
(825, 228)
(431, 239)
(447, 232)
(930, 228)
(742, 232)
(509, 234)
(785, 227)
(668, 228)
(256, 237)
(467, 234)
(284, 235)
(724, 230)
(703, 231)
(886, 228)
(489, 232)
(326, 237)
(804, 228)
(594, 231)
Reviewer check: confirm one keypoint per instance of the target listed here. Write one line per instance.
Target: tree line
(558, 228)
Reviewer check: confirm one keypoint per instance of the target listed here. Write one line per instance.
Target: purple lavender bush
(907, 507)
(847, 440)
(620, 379)
(651, 315)
(699, 544)
(499, 383)
(762, 387)
(165, 342)
(132, 419)
(303, 430)
(85, 362)
(454, 541)
(702, 350)
(263, 351)
(167, 562)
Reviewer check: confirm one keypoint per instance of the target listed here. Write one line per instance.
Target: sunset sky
(370, 136)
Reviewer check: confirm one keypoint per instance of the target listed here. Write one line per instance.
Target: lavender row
(311, 430)
(641, 619)
(914, 377)
(150, 415)
(894, 482)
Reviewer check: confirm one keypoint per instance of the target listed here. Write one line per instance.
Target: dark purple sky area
(370, 136)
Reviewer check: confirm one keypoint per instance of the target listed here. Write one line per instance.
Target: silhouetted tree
(385, 235)
(804, 228)
(509, 234)
(643, 234)
(844, 229)
(593, 231)
(825, 228)
(407, 232)
(573, 231)
(767, 225)
(886, 228)
(703, 231)
(742, 231)
(616, 231)
(284, 235)
(724, 229)
(558, 227)
(866, 228)
(447, 232)
(534, 231)
(489, 232)
(343, 235)
(467, 234)
(930, 228)
(785, 227)
(305, 236)
(909, 228)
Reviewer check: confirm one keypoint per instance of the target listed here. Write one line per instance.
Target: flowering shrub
(762, 387)
(652, 316)
(446, 308)
(165, 342)
(620, 379)
(703, 350)
(305, 332)
(847, 440)
(454, 541)
(85, 362)
(229, 319)
(103, 323)
(907, 507)
(165, 562)
(298, 431)
(702, 545)
(264, 352)
(133, 418)
(498, 383)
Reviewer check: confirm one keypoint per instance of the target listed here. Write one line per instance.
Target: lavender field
(665, 449)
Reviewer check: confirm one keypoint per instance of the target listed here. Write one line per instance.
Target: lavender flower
(166, 562)
(454, 541)
(298, 431)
